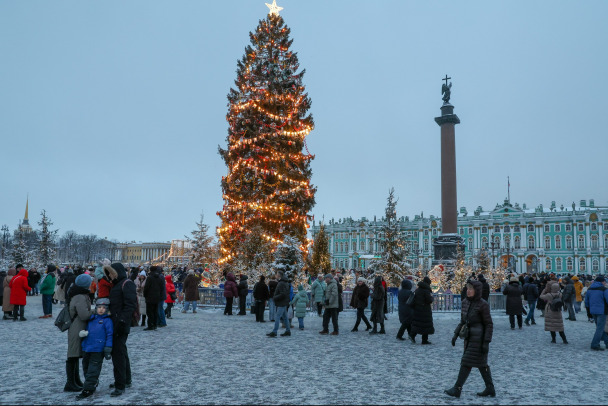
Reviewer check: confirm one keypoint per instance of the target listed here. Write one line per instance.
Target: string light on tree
(267, 187)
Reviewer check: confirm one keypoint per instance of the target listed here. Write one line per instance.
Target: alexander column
(447, 242)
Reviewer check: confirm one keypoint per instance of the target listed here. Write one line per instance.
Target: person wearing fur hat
(513, 291)
(377, 297)
(79, 308)
(553, 318)
(318, 293)
(359, 301)
(96, 345)
(422, 313)
(47, 289)
(104, 280)
(123, 302)
(405, 311)
(476, 328)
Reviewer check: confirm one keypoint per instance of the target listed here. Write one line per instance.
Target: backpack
(63, 320)
(556, 304)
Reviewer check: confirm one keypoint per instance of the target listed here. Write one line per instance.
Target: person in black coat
(513, 291)
(153, 290)
(123, 302)
(476, 320)
(67, 281)
(485, 287)
(531, 294)
(261, 295)
(405, 312)
(377, 298)
(359, 301)
(422, 316)
(243, 291)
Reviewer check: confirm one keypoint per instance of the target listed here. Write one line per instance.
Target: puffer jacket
(531, 291)
(377, 298)
(318, 290)
(331, 295)
(405, 312)
(243, 287)
(80, 310)
(596, 298)
(19, 287)
(475, 313)
(230, 288)
(578, 288)
(569, 293)
(553, 320)
(100, 333)
(47, 287)
(513, 292)
(170, 288)
(281, 293)
(359, 297)
(422, 316)
(300, 301)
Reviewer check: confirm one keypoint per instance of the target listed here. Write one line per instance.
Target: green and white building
(556, 239)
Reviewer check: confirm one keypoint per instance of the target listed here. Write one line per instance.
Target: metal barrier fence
(213, 297)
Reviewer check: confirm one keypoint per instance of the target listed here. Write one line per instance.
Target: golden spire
(26, 207)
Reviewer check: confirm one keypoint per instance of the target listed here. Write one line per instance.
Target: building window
(547, 243)
(336, 247)
(341, 247)
(558, 242)
(595, 265)
(496, 229)
(606, 242)
(354, 246)
(581, 227)
(470, 244)
(569, 265)
(568, 242)
(461, 231)
(581, 265)
(558, 264)
(558, 228)
(606, 229)
(547, 228)
(434, 231)
(507, 229)
(362, 245)
(530, 228)
(548, 264)
(426, 233)
(484, 242)
(581, 242)
(568, 228)
(470, 230)
(415, 234)
(593, 226)
(517, 242)
(516, 229)
(426, 245)
(530, 243)
(484, 229)
(594, 242)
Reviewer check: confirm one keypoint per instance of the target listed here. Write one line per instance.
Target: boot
(77, 380)
(382, 329)
(375, 330)
(563, 336)
(456, 390)
(487, 379)
(70, 385)
(552, 337)
(85, 394)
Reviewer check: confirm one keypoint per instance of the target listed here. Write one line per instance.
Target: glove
(485, 347)
(83, 333)
(454, 340)
(107, 352)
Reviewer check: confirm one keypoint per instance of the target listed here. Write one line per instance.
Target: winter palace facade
(556, 239)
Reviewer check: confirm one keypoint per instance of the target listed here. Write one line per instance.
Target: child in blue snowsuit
(96, 344)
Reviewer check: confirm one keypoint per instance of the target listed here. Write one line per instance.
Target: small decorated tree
(320, 261)
(46, 247)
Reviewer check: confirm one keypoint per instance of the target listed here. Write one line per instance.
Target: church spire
(27, 201)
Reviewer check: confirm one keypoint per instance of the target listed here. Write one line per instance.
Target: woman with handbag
(475, 328)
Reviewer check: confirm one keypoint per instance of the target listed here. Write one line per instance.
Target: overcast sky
(111, 112)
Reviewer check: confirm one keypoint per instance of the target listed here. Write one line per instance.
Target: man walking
(331, 305)
(281, 301)
(596, 301)
(531, 295)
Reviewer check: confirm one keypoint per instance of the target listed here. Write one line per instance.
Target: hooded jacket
(569, 293)
(513, 291)
(475, 314)
(243, 287)
(359, 297)
(331, 295)
(100, 330)
(230, 288)
(377, 297)
(422, 316)
(191, 288)
(405, 312)
(153, 289)
(170, 288)
(578, 288)
(300, 301)
(123, 300)
(553, 319)
(596, 298)
(19, 287)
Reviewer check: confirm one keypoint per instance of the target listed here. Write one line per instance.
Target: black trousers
(361, 316)
(242, 302)
(512, 320)
(168, 309)
(404, 327)
(18, 311)
(320, 308)
(228, 309)
(425, 337)
(259, 310)
(91, 366)
(152, 313)
(333, 314)
(120, 360)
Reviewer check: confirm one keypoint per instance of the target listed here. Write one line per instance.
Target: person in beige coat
(7, 307)
(140, 283)
(553, 319)
(79, 307)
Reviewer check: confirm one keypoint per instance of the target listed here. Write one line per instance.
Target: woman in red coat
(171, 295)
(19, 288)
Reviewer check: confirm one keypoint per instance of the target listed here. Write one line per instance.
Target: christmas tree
(320, 252)
(268, 181)
(392, 265)
(288, 259)
(202, 244)
(46, 248)
(462, 271)
(255, 255)
(21, 254)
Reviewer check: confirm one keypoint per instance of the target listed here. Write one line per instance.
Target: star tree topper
(274, 9)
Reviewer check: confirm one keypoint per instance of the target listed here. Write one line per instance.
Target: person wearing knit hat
(83, 280)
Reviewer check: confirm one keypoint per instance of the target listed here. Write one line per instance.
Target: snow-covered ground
(214, 359)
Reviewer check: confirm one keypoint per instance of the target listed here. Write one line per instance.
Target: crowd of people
(123, 297)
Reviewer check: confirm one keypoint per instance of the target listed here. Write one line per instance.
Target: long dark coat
(513, 292)
(377, 297)
(422, 317)
(405, 312)
(191, 288)
(476, 314)
(359, 297)
(80, 310)
(554, 320)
